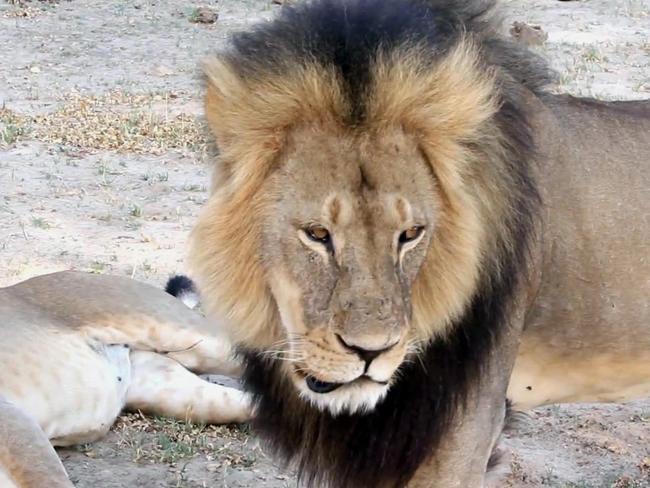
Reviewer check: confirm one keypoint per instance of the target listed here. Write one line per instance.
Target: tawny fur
(78, 349)
(532, 259)
(27, 459)
(250, 120)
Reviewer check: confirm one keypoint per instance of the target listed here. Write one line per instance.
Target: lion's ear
(250, 113)
(223, 88)
(448, 102)
(249, 130)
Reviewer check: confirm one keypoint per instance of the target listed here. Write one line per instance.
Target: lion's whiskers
(287, 351)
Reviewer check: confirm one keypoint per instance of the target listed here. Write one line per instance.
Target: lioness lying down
(76, 349)
(407, 227)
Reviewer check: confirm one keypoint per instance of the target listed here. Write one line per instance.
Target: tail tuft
(184, 289)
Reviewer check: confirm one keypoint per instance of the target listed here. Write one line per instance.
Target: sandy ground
(103, 167)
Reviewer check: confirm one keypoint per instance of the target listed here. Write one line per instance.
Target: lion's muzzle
(335, 372)
(366, 355)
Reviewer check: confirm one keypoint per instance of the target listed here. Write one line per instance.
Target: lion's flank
(438, 70)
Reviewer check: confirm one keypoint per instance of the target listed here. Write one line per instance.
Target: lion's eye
(411, 234)
(319, 234)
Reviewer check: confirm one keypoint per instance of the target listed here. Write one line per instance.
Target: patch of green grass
(193, 15)
(40, 222)
(147, 267)
(177, 440)
(168, 441)
(157, 177)
(12, 127)
(107, 174)
(566, 77)
(173, 450)
(592, 54)
(244, 429)
(136, 210)
(10, 133)
(97, 267)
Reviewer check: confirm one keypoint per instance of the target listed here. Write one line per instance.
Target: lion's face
(343, 242)
(337, 245)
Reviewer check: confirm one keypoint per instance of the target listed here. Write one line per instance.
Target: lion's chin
(359, 396)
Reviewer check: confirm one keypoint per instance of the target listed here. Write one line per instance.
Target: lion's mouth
(318, 386)
(359, 395)
(321, 387)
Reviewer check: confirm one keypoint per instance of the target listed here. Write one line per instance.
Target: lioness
(407, 228)
(78, 348)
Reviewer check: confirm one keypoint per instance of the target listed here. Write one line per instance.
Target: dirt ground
(104, 165)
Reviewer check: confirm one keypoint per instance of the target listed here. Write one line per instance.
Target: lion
(407, 228)
(79, 348)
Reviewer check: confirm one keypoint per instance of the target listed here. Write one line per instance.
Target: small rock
(161, 70)
(35, 69)
(530, 35)
(204, 15)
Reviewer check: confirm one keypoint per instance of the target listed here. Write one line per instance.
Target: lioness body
(403, 216)
(78, 348)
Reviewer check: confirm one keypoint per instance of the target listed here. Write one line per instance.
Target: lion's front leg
(463, 458)
(462, 461)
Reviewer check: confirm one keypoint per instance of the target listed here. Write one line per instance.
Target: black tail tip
(179, 285)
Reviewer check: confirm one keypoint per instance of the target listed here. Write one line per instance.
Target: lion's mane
(479, 134)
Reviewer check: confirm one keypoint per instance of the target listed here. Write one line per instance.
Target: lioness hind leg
(162, 386)
(198, 351)
(27, 459)
(208, 355)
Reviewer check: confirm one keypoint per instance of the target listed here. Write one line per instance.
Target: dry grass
(26, 8)
(114, 121)
(121, 122)
(163, 440)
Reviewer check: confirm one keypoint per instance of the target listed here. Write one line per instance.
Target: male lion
(78, 348)
(407, 228)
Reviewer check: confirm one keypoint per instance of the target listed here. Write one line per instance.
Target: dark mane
(348, 34)
(386, 446)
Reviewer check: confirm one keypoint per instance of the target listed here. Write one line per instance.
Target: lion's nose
(366, 355)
